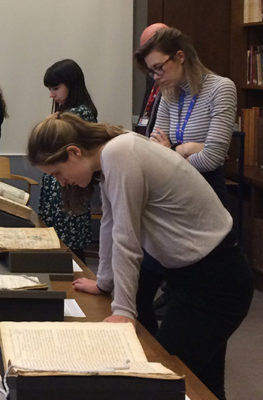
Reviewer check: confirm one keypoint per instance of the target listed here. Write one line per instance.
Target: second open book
(28, 238)
(14, 201)
(81, 348)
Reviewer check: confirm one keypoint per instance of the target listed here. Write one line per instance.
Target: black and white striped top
(211, 121)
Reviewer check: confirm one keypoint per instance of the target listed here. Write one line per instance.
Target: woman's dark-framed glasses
(158, 70)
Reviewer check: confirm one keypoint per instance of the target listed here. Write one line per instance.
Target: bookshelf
(243, 37)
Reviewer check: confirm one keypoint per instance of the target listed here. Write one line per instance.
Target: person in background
(3, 110)
(195, 118)
(66, 84)
(152, 95)
(153, 199)
(146, 314)
(197, 111)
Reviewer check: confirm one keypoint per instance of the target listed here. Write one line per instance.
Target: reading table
(96, 308)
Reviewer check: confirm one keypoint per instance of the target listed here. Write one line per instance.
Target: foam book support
(32, 305)
(9, 220)
(42, 261)
(34, 250)
(94, 387)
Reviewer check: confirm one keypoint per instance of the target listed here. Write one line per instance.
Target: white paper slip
(187, 398)
(72, 309)
(76, 267)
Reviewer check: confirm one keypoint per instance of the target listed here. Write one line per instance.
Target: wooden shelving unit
(242, 37)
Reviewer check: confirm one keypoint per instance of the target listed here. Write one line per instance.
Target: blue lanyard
(180, 132)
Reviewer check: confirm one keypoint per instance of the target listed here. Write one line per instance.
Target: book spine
(245, 126)
(252, 11)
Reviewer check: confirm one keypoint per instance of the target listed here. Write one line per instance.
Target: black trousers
(208, 302)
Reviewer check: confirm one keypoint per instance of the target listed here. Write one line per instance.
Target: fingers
(155, 137)
(119, 319)
(160, 137)
(86, 285)
(161, 132)
(79, 280)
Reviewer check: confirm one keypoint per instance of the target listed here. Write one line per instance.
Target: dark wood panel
(207, 26)
(181, 15)
(155, 11)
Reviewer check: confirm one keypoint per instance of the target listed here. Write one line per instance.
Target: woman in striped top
(197, 111)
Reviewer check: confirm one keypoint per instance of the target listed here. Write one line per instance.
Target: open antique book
(28, 238)
(14, 200)
(76, 348)
(20, 282)
(12, 193)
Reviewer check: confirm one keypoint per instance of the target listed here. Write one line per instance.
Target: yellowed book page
(13, 193)
(28, 238)
(14, 208)
(147, 368)
(80, 347)
(19, 282)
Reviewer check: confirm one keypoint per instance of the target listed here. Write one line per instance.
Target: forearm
(187, 149)
(127, 202)
(105, 274)
(222, 104)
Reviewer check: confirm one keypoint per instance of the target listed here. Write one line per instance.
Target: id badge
(143, 121)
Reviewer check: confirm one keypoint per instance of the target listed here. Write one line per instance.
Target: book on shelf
(21, 282)
(76, 348)
(259, 68)
(252, 127)
(255, 65)
(248, 67)
(245, 128)
(14, 201)
(260, 141)
(252, 136)
(252, 11)
(28, 239)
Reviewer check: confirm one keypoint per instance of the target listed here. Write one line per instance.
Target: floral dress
(73, 230)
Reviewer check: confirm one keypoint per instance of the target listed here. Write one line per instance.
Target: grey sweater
(152, 198)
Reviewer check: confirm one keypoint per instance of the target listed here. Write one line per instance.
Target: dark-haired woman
(3, 111)
(66, 84)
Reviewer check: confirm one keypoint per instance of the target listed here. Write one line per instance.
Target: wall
(107, 74)
(140, 22)
(36, 33)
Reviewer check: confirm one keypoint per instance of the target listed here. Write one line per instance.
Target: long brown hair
(169, 41)
(69, 72)
(3, 105)
(48, 144)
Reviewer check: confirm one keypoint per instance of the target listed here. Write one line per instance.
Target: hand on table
(86, 285)
(160, 137)
(119, 318)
